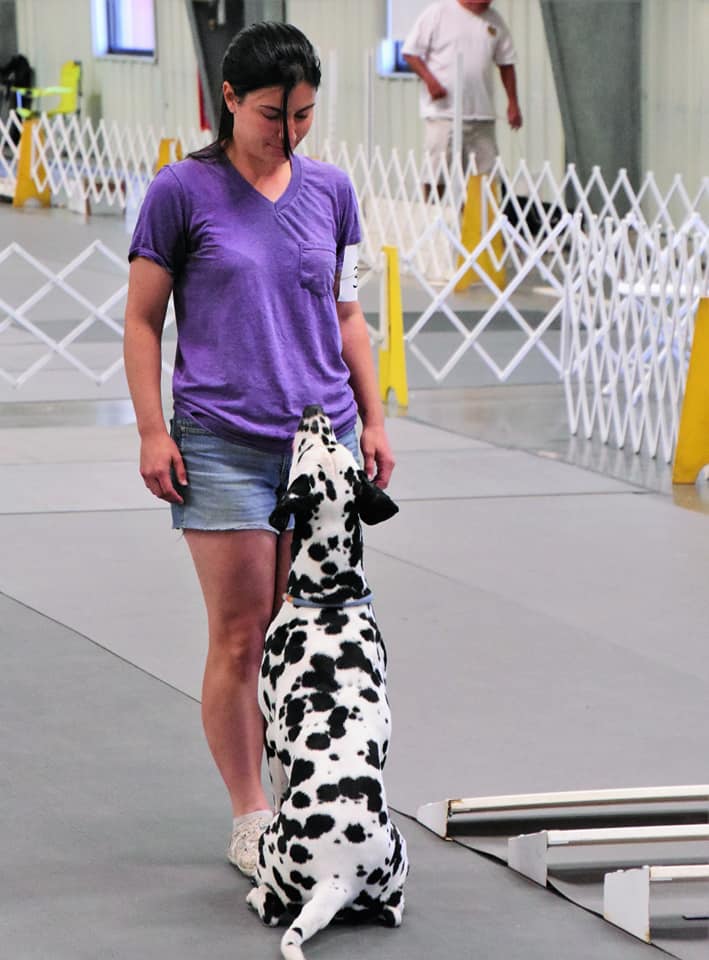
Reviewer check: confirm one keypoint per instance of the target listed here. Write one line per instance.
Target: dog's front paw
(266, 904)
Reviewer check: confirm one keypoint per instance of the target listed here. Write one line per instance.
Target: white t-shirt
(444, 29)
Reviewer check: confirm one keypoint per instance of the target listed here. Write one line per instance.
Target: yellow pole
(25, 188)
(170, 149)
(392, 359)
(471, 233)
(692, 451)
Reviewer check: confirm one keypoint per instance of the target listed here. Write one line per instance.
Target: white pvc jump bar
(527, 854)
(435, 816)
(626, 893)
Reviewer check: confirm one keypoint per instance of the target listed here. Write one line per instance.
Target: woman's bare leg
(242, 574)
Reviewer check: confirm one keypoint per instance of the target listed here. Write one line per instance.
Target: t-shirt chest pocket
(317, 268)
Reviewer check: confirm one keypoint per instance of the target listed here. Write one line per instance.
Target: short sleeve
(505, 52)
(349, 232)
(160, 232)
(418, 39)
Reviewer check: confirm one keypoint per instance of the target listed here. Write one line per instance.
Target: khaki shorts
(478, 138)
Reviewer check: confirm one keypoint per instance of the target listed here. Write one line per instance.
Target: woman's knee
(238, 645)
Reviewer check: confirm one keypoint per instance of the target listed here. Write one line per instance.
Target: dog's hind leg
(266, 904)
(392, 912)
(329, 896)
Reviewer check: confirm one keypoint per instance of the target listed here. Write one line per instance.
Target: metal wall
(675, 122)
(598, 86)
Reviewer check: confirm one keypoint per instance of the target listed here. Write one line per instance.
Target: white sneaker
(242, 851)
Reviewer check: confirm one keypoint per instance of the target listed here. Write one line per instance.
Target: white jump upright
(626, 893)
(436, 816)
(528, 853)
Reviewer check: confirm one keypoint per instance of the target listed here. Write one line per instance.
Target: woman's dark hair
(266, 54)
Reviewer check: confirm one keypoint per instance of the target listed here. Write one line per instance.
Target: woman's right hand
(160, 465)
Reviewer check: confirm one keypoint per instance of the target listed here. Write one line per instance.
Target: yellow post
(692, 451)
(471, 233)
(25, 188)
(170, 149)
(392, 360)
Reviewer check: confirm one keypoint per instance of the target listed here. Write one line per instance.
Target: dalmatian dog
(331, 849)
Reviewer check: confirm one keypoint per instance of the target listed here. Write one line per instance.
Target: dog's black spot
(327, 793)
(336, 722)
(321, 702)
(317, 825)
(294, 713)
(355, 833)
(373, 755)
(353, 658)
(307, 883)
(318, 741)
(300, 800)
(302, 771)
(321, 676)
(299, 853)
(357, 788)
(333, 620)
(317, 552)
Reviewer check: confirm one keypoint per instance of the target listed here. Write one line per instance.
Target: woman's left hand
(378, 458)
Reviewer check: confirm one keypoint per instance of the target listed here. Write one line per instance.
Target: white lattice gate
(630, 298)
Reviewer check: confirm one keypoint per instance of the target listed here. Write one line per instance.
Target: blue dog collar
(302, 602)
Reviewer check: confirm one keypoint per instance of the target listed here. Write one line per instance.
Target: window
(124, 27)
(400, 18)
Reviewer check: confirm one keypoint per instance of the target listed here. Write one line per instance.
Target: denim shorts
(231, 486)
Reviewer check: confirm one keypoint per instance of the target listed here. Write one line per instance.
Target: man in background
(431, 49)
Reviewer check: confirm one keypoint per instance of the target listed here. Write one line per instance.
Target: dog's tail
(329, 896)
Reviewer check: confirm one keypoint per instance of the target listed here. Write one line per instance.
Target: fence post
(169, 150)
(392, 360)
(476, 222)
(25, 188)
(692, 452)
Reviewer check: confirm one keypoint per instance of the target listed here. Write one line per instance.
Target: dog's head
(325, 483)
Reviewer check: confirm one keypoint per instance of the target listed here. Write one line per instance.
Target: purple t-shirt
(258, 334)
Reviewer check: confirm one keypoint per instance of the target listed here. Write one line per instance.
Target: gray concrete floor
(544, 605)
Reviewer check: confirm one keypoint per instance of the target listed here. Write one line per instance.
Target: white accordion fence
(74, 315)
(631, 295)
(620, 270)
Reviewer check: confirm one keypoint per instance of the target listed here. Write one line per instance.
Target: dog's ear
(295, 500)
(373, 505)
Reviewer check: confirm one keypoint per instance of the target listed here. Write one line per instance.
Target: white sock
(251, 816)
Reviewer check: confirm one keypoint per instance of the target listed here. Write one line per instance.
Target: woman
(258, 248)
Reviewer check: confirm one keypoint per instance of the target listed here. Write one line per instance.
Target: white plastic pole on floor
(331, 96)
(369, 75)
(457, 143)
